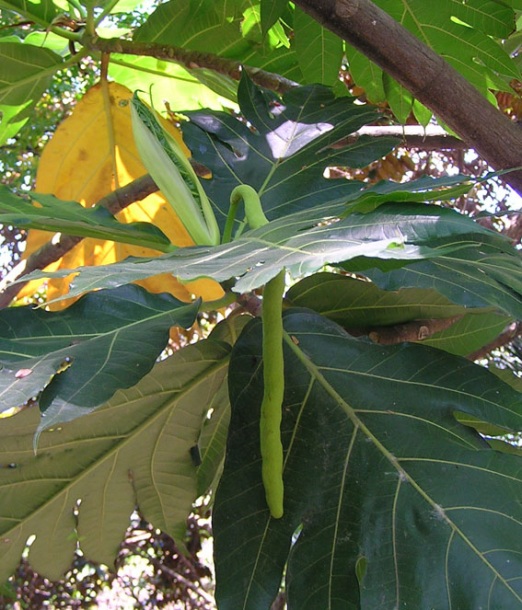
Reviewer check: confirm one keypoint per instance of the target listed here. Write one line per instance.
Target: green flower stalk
(174, 175)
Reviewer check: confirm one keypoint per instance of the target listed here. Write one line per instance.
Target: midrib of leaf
(139, 68)
(281, 160)
(316, 374)
(340, 495)
(419, 25)
(113, 452)
(94, 335)
(42, 73)
(267, 524)
(394, 543)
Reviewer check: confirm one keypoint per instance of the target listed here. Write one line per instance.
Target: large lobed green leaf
(87, 477)
(222, 28)
(75, 360)
(305, 241)
(389, 502)
(284, 149)
(319, 51)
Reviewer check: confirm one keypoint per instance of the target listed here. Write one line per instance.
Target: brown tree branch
(189, 59)
(428, 77)
(413, 136)
(506, 336)
(417, 330)
(60, 244)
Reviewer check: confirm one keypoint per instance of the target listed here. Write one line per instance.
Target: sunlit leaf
(462, 32)
(319, 51)
(25, 73)
(161, 78)
(216, 27)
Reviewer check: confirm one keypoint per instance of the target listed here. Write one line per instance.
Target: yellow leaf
(91, 154)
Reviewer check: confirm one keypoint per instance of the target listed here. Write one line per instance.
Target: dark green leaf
(284, 150)
(271, 11)
(93, 344)
(42, 12)
(477, 276)
(72, 218)
(389, 501)
(360, 304)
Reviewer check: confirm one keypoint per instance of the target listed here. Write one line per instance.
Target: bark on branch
(189, 59)
(414, 136)
(417, 330)
(428, 77)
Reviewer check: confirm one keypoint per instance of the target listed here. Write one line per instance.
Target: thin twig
(185, 581)
(506, 336)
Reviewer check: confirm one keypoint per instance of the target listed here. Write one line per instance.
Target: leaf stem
(106, 10)
(253, 210)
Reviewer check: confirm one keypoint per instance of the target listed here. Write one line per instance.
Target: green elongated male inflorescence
(273, 360)
(274, 386)
(171, 170)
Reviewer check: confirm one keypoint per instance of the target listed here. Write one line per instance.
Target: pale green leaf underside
(303, 242)
(135, 451)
